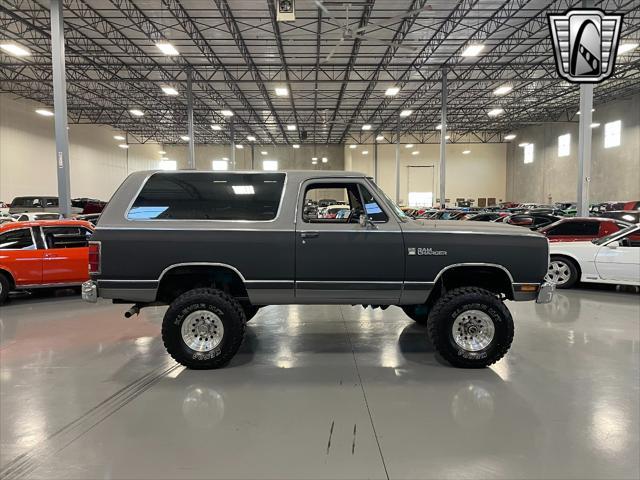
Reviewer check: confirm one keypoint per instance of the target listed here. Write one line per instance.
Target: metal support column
(253, 153)
(233, 144)
(584, 142)
(443, 140)
(398, 162)
(191, 159)
(375, 162)
(60, 106)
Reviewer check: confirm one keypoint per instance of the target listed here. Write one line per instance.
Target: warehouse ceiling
(336, 61)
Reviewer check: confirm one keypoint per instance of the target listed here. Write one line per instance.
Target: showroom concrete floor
(320, 392)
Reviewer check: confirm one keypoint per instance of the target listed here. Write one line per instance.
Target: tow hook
(135, 310)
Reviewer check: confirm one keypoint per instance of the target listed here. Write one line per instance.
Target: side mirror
(365, 222)
(613, 245)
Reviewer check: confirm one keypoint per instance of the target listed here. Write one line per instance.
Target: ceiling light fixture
(405, 113)
(251, 138)
(365, 152)
(44, 112)
(239, 146)
(472, 50)
(447, 137)
(168, 90)
(123, 145)
(415, 152)
(353, 146)
(503, 90)
(523, 144)
(167, 48)
(366, 126)
(466, 152)
(439, 126)
(119, 137)
(325, 159)
(295, 145)
(15, 49)
(495, 112)
(263, 152)
(511, 136)
(391, 91)
(578, 112)
(626, 48)
(409, 145)
(184, 137)
(282, 91)
(217, 128)
(292, 128)
(379, 138)
(136, 113)
(314, 159)
(226, 113)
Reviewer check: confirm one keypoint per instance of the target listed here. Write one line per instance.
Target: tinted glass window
(17, 240)
(52, 202)
(575, 228)
(66, 237)
(209, 196)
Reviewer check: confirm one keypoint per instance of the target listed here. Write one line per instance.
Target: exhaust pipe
(135, 310)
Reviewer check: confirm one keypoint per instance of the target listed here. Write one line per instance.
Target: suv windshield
(623, 232)
(403, 217)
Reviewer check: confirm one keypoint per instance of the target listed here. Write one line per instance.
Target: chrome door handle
(309, 234)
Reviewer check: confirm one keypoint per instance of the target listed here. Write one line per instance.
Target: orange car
(45, 253)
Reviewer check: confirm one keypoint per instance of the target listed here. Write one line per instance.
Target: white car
(612, 259)
(33, 216)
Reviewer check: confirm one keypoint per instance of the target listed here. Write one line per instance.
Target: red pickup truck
(41, 254)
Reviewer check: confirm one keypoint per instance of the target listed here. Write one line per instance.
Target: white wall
(480, 174)
(615, 171)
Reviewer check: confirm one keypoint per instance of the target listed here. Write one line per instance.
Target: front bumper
(90, 291)
(545, 294)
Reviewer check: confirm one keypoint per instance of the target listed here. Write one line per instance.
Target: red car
(45, 253)
(581, 229)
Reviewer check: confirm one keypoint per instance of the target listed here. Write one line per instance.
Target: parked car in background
(325, 202)
(487, 216)
(332, 211)
(6, 218)
(4, 208)
(34, 204)
(43, 254)
(581, 229)
(88, 205)
(529, 220)
(612, 259)
(631, 216)
(34, 217)
(634, 205)
(92, 218)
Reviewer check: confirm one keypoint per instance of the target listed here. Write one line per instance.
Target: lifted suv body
(291, 259)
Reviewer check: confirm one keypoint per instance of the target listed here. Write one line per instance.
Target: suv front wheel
(203, 328)
(470, 327)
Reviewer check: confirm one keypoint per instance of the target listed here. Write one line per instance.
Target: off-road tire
(250, 311)
(417, 313)
(5, 285)
(456, 302)
(227, 308)
(574, 273)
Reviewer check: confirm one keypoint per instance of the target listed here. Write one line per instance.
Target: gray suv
(217, 246)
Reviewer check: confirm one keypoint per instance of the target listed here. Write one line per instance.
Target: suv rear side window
(209, 196)
(17, 240)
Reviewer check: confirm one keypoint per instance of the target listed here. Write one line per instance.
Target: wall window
(270, 165)
(528, 153)
(612, 134)
(420, 199)
(219, 165)
(209, 196)
(564, 145)
(168, 165)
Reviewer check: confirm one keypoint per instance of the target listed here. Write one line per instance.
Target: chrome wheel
(558, 272)
(202, 331)
(473, 330)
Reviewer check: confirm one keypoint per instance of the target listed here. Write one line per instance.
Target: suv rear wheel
(470, 327)
(203, 328)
